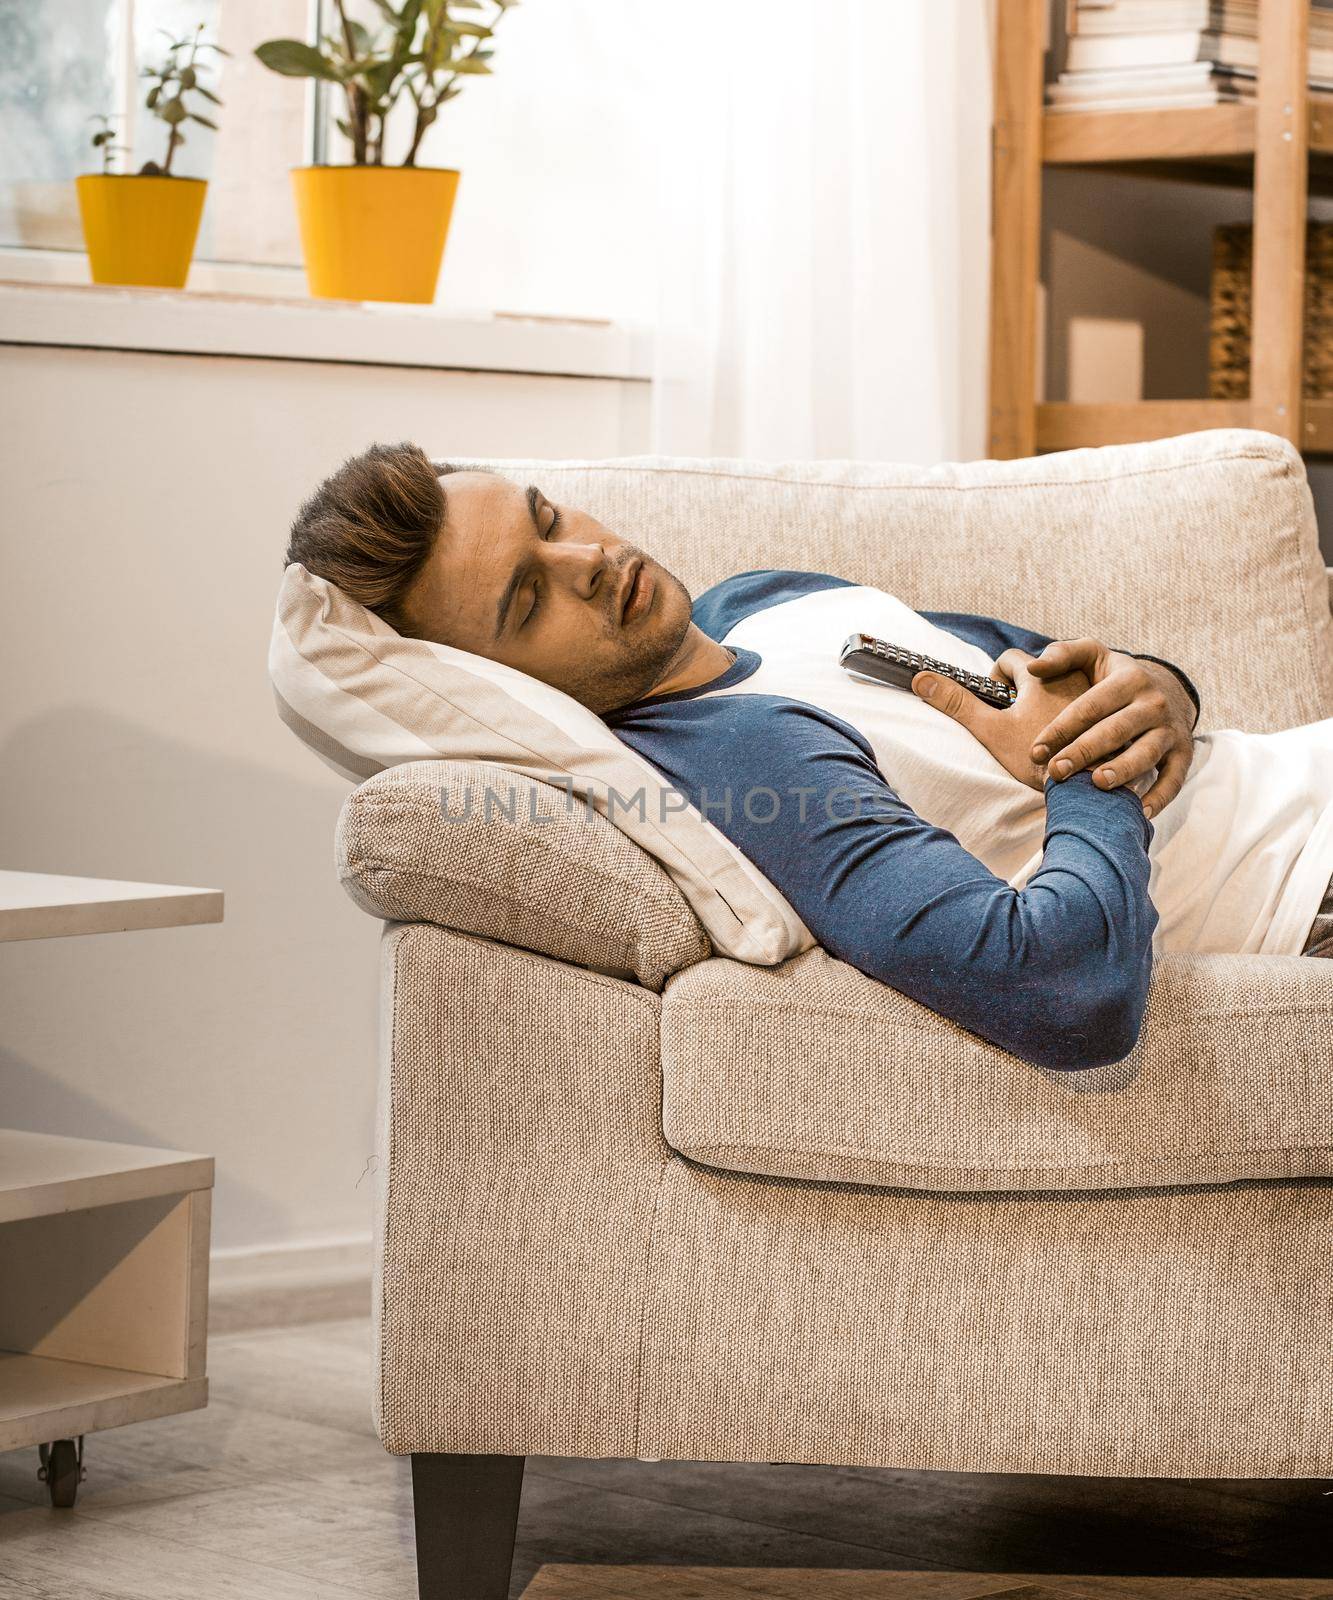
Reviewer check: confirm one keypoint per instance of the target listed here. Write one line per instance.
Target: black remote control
(869, 657)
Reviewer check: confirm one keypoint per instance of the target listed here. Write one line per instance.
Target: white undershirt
(1239, 861)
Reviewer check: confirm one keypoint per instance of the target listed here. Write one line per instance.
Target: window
(64, 61)
(56, 61)
(558, 149)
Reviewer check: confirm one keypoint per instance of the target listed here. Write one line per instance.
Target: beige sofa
(634, 1200)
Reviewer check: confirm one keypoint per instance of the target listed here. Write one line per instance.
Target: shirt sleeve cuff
(1078, 799)
(1171, 667)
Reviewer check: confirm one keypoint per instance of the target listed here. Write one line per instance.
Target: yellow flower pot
(374, 233)
(140, 230)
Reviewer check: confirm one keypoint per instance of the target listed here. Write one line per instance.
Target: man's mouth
(636, 592)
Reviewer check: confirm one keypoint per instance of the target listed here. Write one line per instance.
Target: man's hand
(1008, 735)
(1137, 713)
(1105, 704)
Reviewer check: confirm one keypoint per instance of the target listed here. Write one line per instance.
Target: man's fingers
(1135, 760)
(1011, 665)
(1068, 655)
(1095, 705)
(949, 697)
(1171, 777)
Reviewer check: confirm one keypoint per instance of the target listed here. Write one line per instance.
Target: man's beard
(644, 664)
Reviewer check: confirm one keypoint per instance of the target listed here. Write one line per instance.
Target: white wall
(146, 505)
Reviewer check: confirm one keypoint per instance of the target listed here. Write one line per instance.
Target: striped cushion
(364, 698)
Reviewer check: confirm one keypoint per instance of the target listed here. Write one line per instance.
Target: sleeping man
(999, 866)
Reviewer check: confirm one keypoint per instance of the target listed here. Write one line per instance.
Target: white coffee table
(103, 1247)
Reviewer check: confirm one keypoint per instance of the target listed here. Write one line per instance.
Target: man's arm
(995, 637)
(1056, 972)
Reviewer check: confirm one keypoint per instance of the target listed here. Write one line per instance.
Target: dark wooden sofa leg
(466, 1509)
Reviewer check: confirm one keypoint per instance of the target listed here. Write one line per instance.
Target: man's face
(547, 590)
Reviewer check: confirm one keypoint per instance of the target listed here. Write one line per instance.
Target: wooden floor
(769, 1583)
(280, 1491)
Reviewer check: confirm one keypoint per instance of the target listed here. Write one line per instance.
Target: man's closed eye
(552, 528)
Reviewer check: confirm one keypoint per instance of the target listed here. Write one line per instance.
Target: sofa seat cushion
(812, 1070)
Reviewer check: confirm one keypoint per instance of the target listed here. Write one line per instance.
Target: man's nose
(582, 566)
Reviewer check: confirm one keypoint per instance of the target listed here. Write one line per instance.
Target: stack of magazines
(1142, 55)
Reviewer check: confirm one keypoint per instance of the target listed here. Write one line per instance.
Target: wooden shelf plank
(1089, 138)
(42, 1399)
(47, 905)
(1063, 426)
(1199, 135)
(44, 1174)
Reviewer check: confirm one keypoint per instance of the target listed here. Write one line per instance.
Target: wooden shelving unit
(1282, 147)
(106, 1249)
(103, 1247)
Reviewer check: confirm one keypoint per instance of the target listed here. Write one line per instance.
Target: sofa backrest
(1202, 549)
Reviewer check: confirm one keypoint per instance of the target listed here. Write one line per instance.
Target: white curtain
(823, 236)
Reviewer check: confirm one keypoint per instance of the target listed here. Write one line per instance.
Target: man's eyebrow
(534, 494)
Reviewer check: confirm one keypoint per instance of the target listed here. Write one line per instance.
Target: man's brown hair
(370, 525)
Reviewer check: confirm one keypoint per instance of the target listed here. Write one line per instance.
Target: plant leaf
(173, 112)
(295, 59)
(470, 64)
(379, 79)
(207, 94)
(207, 121)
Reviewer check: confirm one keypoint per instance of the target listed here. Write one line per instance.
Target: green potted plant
(141, 227)
(371, 231)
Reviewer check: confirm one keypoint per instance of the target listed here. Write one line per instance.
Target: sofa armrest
(484, 851)
(830, 1075)
(519, 1138)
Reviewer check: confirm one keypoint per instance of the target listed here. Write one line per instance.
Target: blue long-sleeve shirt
(1056, 972)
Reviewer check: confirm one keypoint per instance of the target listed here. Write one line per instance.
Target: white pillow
(365, 698)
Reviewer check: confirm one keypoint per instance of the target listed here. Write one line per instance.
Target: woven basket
(1229, 332)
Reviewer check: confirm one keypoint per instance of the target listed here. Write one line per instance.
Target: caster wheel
(61, 1470)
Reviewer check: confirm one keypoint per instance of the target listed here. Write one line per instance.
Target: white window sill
(286, 326)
